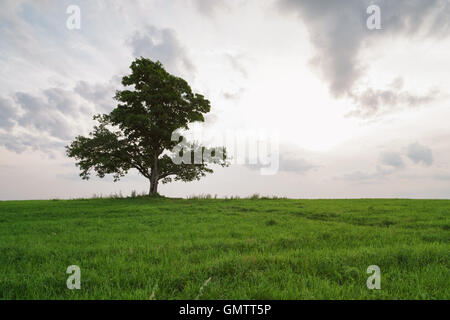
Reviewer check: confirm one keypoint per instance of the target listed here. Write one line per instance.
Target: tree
(138, 133)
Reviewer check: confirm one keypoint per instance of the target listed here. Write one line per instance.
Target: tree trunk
(154, 178)
(153, 187)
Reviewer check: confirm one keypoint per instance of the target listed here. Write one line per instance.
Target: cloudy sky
(359, 112)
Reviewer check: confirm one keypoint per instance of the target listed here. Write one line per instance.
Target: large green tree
(138, 133)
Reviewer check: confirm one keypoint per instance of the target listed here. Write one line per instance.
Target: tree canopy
(138, 133)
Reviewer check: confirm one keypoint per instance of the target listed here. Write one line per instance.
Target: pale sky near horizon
(358, 112)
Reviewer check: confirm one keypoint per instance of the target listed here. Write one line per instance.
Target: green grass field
(249, 248)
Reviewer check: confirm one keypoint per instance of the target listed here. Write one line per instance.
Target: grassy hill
(249, 248)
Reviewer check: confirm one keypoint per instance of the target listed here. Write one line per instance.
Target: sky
(357, 111)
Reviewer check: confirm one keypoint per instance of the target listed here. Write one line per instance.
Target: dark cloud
(47, 114)
(290, 159)
(48, 120)
(162, 45)
(368, 177)
(372, 103)
(295, 164)
(7, 114)
(24, 141)
(61, 100)
(233, 95)
(420, 154)
(392, 159)
(236, 63)
(338, 31)
(389, 162)
(210, 7)
(101, 95)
